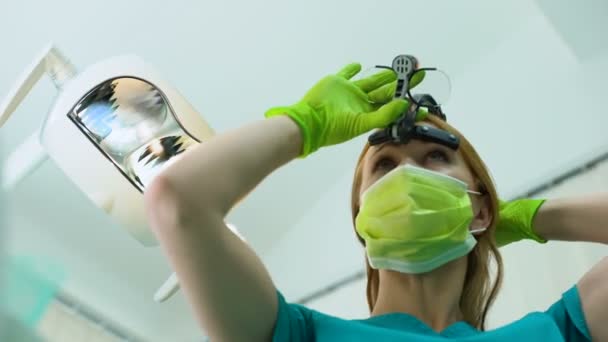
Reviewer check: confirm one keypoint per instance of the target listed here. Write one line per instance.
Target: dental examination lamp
(112, 128)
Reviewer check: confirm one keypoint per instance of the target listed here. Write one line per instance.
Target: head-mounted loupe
(404, 128)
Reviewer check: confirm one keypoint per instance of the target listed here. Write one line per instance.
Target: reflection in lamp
(151, 159)
(122, 113)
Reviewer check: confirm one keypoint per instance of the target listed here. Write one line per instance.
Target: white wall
(535, 275)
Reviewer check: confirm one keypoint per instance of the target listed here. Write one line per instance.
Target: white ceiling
(527, 93)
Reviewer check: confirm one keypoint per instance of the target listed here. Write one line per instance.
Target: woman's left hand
(581, 218)
(515, 221)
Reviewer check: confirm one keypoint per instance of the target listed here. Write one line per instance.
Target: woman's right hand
(337, 109)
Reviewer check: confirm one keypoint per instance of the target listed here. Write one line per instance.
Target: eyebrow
(377, 150)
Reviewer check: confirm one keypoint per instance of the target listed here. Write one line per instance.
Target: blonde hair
(480, 290)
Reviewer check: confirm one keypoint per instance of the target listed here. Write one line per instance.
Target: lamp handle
(51, 61)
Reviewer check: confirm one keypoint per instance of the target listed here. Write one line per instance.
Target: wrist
(533, 208)
(547, 219)
(292, 137)
(301, 116)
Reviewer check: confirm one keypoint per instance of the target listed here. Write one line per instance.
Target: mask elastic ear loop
(479, 230)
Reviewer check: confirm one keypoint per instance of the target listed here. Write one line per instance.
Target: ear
(482, 215)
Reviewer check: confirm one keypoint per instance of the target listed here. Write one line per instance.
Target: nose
(409, 161)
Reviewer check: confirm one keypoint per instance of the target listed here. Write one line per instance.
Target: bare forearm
(225, 282)
(583, 218)
(221, 171)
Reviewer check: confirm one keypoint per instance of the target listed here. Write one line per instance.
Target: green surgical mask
(414, 220)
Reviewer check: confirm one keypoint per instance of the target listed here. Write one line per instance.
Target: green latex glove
(387, 92)
(337, 109)
(515, 220)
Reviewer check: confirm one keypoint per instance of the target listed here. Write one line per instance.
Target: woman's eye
(438, 155)
(384, 164)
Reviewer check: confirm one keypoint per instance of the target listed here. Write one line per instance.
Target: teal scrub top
(563, 321)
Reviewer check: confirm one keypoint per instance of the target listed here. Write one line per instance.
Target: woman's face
(381, 159)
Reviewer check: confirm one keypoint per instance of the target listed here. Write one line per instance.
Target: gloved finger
(381, 117)
(376, 81)
(383, 94)
(349, 70)
(417, 78)
(421, 114)
(386, 93)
